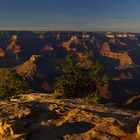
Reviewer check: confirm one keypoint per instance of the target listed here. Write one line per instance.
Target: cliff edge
(36, 116)
(124, 59)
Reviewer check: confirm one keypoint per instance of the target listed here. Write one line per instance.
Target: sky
(70, 15)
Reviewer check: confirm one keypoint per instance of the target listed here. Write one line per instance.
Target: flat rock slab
(36, 116)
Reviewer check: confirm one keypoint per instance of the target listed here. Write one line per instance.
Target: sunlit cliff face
(123, 57)
(12, 46)
(14, 38)
(2, 53)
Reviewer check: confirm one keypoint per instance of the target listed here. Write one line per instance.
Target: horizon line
(37, 30)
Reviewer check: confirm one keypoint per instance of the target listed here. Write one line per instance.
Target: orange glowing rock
(2, 53)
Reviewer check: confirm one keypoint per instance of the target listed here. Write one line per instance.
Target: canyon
(123, 57)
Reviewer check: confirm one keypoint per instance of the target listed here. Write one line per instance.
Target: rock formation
(104, 91)
(138, 129)
(47, 48)
(134, 102)
(36, 116)
(12, 47)
(123, 57)
(75, 41)
(67, 44)
(27, 69)
(2, 53)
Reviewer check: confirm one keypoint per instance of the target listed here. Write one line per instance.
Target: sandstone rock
(104, 92)
(123, 57)
(77, 119)
(53, 107)
(6, 129)
(134, 102)
(28, 68)
(138, 129)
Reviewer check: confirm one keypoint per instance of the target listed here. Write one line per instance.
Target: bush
(94, 97)
(57, 94)
(11, 84)
(79, 77)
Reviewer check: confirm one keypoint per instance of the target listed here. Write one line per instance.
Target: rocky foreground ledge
(39, 117)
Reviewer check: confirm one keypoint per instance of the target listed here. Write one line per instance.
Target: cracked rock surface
(36, 116)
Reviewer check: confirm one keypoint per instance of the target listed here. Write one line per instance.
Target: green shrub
(79, 77)
(93, 97)
(10, 84)
(57, 94)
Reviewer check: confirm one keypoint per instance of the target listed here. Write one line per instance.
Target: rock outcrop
(28, 68)
(104, 92)
(134, 102)
(2, 53)
(12, 47)
(36, 116)
(67, 44)
(123, 57)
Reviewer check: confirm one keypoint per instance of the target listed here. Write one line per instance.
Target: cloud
(94, 24)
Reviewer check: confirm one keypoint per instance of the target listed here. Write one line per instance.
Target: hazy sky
(90, 15)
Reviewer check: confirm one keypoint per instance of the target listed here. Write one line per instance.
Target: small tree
(11, 84)
(79, 77)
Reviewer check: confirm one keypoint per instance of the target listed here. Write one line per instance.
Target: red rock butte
(123, 57)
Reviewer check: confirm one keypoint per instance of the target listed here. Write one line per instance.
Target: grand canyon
(37, 53)
(69, 70)
(34, 55)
